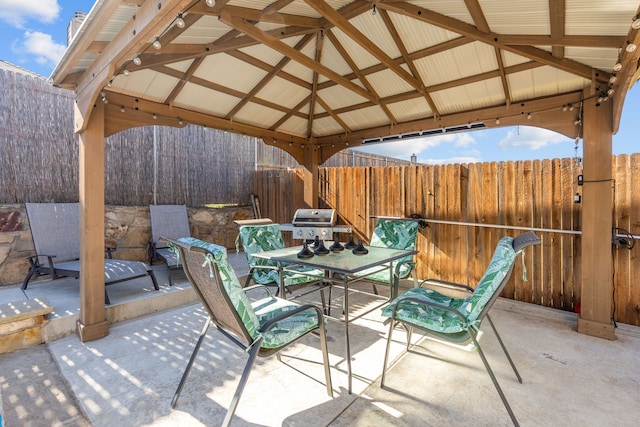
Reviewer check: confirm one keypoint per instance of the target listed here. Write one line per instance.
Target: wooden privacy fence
(537, 194)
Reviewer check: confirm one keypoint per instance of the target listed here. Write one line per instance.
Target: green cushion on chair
(394, 234)
(286, 330)
(231, 284)
(267, 237)
(439, 320)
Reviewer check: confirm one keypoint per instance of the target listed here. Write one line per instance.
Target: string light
(137, 60)
(179, 21)
(156, 44)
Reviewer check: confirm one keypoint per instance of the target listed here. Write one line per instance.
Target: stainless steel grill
(309, 223)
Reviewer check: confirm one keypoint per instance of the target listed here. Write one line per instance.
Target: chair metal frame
(225, 318)
(175, 227)
(313, 280)
(471, 335)
(58, 250)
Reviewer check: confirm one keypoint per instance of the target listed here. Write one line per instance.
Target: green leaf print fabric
(288, 329)
(255, 315)
(262, 238)
(395, 234)
(440, 320)
(230, 282)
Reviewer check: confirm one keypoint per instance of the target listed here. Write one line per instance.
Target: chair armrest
(299, 309)
(110, 247)
(445, 284)
(34, 260)
(428, 304)
(399, 264)
(264, 267)
(258, 287)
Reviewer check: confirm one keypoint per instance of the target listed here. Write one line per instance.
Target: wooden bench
(21, 323)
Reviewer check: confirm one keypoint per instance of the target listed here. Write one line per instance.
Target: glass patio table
(342, 268)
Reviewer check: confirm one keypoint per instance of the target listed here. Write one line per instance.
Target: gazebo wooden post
(310, 176)
(92, 323)
(597, 207)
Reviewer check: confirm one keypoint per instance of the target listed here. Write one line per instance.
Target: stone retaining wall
(127, 227)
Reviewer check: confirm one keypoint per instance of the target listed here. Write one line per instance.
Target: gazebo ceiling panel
(510, 59)
(326, 126)
(120, 17)
(336, 97)
(323, 66)
(599, 58)
(205, 100)
(543, 81)
(357, 53)
(357, 118)
(411, 109)
(509, 17)
(206, 29)
(230, 72)
(294, 68)
(487, 93)
(456, 9)
(454, 64)
(268, 56)
(283, 93)
(145, 84)
(295, 126)
(596, 17)
(373, 27)
(386, 85)
(255, 114)
(333, 60)
(417, 35)
(182, 66)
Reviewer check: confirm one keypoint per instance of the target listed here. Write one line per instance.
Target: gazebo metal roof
(335, 73)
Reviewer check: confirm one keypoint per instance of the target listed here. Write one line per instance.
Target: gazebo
(313, 77)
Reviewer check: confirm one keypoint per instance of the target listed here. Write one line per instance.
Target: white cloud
(466, 156)
(405, 148)
(450, 160)
(531, 137)
(42, 47)
(17, 13)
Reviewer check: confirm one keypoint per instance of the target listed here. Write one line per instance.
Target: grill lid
(314, 217)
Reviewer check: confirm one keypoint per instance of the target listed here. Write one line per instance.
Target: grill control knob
(324, 232)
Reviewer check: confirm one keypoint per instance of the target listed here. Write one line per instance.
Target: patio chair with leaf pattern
(394, 234)
(458, 320)
(266, 237)
(260, 328)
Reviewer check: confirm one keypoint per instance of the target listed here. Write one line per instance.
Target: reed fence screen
(536, 194)
(154, 164)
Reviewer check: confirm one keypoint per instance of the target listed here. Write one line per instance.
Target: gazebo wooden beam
(596, 316)
(92, 323)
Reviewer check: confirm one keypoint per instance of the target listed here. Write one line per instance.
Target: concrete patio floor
(128, 378)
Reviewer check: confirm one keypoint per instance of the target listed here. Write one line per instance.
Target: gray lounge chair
(55, 228)
(172, 222)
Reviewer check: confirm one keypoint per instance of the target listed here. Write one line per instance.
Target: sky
(34, 37)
